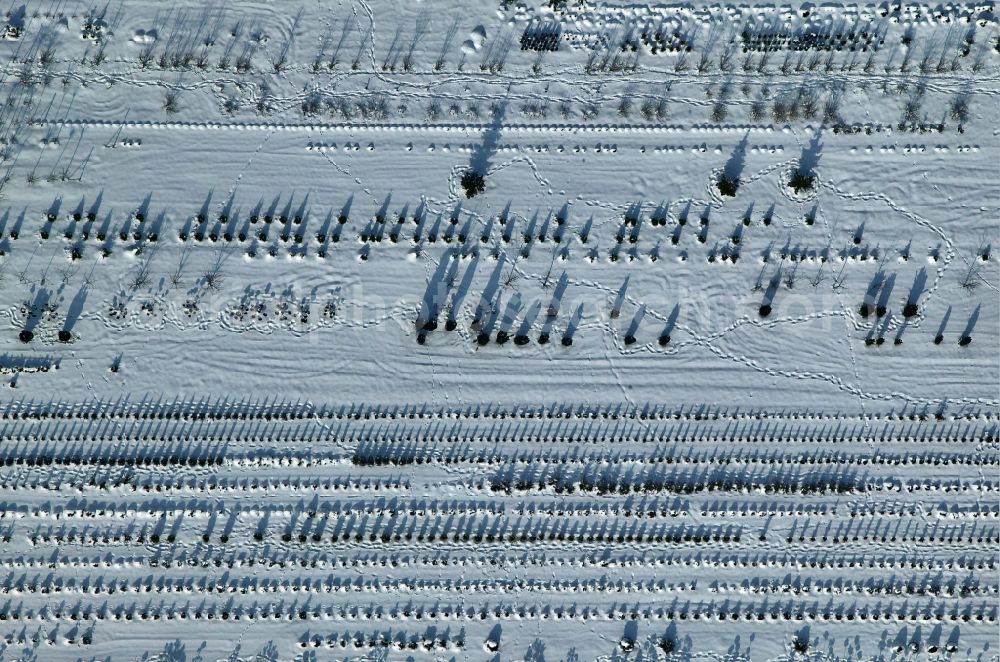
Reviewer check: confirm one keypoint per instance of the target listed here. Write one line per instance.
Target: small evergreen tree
(728, 186)
(801, 181)
(473, 183)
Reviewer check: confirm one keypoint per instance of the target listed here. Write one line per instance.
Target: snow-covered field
(709, 368)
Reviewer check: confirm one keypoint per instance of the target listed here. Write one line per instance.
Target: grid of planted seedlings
(362, 528)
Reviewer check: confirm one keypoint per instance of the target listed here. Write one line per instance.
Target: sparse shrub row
(431, 640)
(102, 510)
(208, 410)
(615, 432)
(929, 611)
(566, 482)
(563, 508)
(752, 509)
(611, 432)
(387, 455)
(951, 535)
(185, 485)
(951, 587)
(119, 509)
(44, 585)
(659, 534)
(219, 557)
(80, 460)
(122, 509)
(563, 481)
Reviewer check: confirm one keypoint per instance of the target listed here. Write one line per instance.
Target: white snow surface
(276, 388)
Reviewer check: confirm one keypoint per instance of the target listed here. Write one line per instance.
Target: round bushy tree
(728, 186)
(801, 181)
(473, 183)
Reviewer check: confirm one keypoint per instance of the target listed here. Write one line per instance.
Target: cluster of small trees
(666, 39)
(540, 36)
(857, 38)
(430, 640)
(372, 107)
